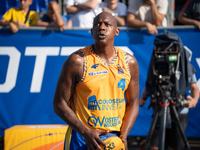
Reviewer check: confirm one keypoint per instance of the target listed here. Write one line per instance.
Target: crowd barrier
(31, 60)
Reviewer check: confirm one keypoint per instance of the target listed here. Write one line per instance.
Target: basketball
(112, 141)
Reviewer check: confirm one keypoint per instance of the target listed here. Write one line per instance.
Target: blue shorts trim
(78, 142)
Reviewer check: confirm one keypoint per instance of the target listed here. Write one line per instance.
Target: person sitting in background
(52, 18)
(82, 12)
(117, 9)
(147, 13)
(19, 17)
(190, 14)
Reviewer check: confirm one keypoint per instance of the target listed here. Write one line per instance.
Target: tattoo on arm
(75, 122)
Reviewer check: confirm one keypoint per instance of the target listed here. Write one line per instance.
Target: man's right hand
(151, 28)
(197, 23)
(142, 101)
(93, 140)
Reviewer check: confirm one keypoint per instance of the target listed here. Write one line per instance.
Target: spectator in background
(190, 14)
(82, 12)
(147, 13)
(52, 18)
(19, 17)
(117, 9)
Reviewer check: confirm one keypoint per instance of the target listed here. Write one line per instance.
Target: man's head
(24, 4)
(52, 7)
(104, 28)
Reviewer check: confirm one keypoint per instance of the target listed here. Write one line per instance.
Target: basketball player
(90, 90)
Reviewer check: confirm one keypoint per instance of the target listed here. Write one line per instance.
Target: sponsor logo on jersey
(97, 73)
(92, 103)
(95, 66)
(104, 104)
(120, 69)
(104, 122)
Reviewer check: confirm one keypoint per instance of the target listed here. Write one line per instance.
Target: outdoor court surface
(136, 143)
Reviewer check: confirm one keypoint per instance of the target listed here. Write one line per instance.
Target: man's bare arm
(193, 99)
(156, 16)
(70, 75)
(188, 21)
(90, 4)
(12, 26)
(135, 23)
(64, 92)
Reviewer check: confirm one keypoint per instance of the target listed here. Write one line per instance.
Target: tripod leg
(153, 125)
(180, 127)
(162, 127)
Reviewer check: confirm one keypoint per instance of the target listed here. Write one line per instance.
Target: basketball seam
(119, 145)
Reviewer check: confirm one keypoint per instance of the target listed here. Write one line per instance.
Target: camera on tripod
(165, 75)
(165, 59)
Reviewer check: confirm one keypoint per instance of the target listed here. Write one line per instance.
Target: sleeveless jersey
(100, 100)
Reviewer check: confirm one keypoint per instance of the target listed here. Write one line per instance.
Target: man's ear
(117, 31)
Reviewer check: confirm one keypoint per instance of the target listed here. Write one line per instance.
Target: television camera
(164, 69)
(165, 61)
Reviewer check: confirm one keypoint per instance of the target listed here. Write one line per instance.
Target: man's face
(51, 13)
(25, 3)
(104, 28)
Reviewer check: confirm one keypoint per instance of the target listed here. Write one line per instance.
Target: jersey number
(121, 84)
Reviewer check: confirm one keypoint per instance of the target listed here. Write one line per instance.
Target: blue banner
(30, 64)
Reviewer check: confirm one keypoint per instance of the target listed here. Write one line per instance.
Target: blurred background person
(190, 14)
(52, 17)
(117, 9)
(19, 17)
(147, 13)
(82, 12)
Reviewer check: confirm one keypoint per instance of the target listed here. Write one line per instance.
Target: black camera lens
(162, 68)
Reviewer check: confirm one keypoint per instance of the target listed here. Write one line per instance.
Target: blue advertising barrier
(30, 64)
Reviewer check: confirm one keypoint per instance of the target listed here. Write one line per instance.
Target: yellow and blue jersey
(99, 101)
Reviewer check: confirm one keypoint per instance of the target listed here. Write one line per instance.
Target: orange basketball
(112, 141)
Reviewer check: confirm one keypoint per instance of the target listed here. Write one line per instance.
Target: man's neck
(106, 52)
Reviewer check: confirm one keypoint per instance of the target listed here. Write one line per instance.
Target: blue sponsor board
(30, 64)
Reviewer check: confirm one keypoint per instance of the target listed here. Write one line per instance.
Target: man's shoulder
(86, 50)
(10, 12)
(13, 9)
(81, 52)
